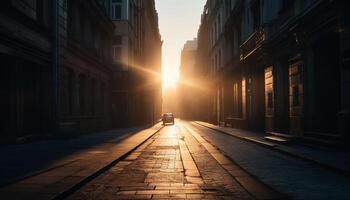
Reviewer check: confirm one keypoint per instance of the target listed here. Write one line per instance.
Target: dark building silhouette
(26, 70)
(203, 70)
(280, 66)
(59, 72)
(136, 88)
(85, 65)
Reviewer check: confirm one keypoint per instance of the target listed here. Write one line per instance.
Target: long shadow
(19, 161)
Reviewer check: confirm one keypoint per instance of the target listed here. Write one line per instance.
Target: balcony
(252, 43)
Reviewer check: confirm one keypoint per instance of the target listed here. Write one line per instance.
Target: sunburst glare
(170, 76)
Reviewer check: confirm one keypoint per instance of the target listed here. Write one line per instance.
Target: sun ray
(170, 76)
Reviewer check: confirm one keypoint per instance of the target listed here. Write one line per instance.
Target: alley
(172, 164)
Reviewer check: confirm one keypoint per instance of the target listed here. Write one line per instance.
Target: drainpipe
(55, 64)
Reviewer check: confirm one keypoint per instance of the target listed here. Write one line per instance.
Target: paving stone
(211, 170)
(129, 192)
(153, 192)
(186, 191)
(133, 197)
(137, 188)
(170, 196)
(173, 165)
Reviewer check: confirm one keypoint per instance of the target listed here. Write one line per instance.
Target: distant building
(188, 107)
(280, 66)
(188, 58)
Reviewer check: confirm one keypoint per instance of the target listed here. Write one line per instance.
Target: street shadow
(24, 160)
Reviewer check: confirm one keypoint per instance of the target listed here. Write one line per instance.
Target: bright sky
(178, 21)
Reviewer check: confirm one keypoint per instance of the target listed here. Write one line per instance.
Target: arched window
(102, 98)
(82, 94)
(92, 96)
(67, 87)
(71, 81)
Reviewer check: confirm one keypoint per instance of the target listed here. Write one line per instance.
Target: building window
(222, 104)
(256, 15)
(117, 40)
(82, 94)
(67, 87)
(31, 4)
(236, 101)
(295, 91)
(285, 4)
(216, 31)
(117, 47)
(244, 99)
(239, 99)
(117, 8)
(117, 53)
(269, 100)
(27, 7)
(39, 10)
(219, 24)
(70, 91)
(102, 98)
(212, 37)
(93, 97)
(212, 66)
(216, 62)
(220, 59)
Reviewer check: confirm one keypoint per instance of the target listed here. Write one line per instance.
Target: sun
(170, 77)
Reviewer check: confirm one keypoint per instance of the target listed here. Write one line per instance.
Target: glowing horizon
(170, 77)
(178, 21)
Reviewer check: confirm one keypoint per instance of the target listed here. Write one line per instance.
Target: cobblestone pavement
(171, 165)
(298, 179)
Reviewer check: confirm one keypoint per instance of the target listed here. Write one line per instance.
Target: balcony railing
(252, 43)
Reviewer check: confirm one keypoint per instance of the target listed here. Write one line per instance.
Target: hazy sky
(178, 21)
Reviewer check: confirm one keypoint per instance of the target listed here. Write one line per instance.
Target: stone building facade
(25, 72)
(62, 73)
(136, 91)
(280, 66)
(203, 70)
(85, 65)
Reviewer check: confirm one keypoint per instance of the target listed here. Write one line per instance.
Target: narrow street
(182, 162)
(172, 164)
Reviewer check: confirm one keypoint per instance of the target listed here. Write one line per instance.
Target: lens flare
(170, 76)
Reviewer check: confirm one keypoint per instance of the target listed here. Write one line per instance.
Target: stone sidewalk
(329, 158)
(72, 162)
(176, 163)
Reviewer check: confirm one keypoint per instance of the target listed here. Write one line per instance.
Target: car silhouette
(168, 118)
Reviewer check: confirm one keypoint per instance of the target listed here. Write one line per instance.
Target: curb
(265, 191)
(251, 140)
(282, 151)
(98, 172)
